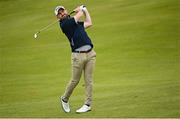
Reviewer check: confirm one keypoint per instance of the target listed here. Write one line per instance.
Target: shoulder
(80, 23)
(68, 20)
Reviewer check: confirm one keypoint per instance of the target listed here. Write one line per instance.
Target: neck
(67, 17)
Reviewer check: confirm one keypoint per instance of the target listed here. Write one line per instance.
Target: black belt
(82, 51)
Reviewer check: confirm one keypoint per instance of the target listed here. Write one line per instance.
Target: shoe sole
(83, 112)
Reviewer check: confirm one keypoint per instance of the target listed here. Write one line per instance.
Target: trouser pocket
(75, 61)
(91, 54)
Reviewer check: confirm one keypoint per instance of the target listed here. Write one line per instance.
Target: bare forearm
(79, 14)
(88, 21)
(87, 16)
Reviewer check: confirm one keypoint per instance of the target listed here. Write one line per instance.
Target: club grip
(72, 12)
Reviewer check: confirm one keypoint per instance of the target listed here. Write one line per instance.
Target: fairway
(137, 67)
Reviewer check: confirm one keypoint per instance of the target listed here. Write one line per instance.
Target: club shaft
(44, 28)
(72, 12)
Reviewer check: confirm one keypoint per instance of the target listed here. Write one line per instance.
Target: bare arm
(88, 21)
(79, 13)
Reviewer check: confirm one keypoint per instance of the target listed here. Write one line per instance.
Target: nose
(62, 14)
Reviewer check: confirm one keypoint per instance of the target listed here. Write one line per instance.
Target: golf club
(46, 27)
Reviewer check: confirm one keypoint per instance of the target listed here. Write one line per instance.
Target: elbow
(90, 24)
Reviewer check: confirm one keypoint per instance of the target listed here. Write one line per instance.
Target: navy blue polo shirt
(75, 33)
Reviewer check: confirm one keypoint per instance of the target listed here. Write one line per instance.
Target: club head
(36, 35)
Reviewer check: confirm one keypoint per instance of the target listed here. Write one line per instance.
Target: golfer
(83, 56)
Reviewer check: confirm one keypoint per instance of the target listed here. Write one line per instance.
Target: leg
(88, 77)
(76, 75)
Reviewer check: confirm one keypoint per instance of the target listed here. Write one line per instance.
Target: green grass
(137, 69)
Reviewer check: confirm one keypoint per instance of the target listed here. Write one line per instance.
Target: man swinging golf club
(83, 56)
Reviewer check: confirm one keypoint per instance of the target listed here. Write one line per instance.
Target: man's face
(62, 14)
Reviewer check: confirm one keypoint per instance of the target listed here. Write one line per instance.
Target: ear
(58, 17)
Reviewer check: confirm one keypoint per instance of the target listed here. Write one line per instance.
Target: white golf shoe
(65, 105)
(83, 109)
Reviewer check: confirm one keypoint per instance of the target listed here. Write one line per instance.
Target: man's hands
(83, 8)
(80, 8)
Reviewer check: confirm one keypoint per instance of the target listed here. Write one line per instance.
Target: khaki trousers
(81, 62)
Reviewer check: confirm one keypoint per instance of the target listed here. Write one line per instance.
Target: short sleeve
(81, 23)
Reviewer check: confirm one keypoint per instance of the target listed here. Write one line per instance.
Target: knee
(89, 81)
(75, 82)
